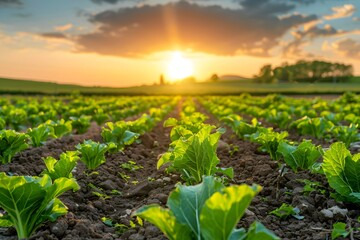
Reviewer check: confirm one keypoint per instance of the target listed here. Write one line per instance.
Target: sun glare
(179, 67)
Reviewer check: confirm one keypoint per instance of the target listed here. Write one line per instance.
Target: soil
(83, 220)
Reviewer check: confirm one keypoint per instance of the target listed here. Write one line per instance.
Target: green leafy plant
(195, 156)
(31, 201)
(119, 134)
(81, 124)
(100, 117)
(39, 135)
(60, 127)
(93, 153)
(11, 142)
(206, 211)
(280, 118)
(347, 134)
(16, 118)
(286, 210)
(302, 156)
(62, 167)
(311, 186)
(339, 230)
(269, 141)
(341, 170)
(316, 127)
(240, 127)
(142, 125)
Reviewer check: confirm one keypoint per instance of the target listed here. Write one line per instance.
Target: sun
(179, 67)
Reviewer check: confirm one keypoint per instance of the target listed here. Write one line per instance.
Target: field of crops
(209, 167)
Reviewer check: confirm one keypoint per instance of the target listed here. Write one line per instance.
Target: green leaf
(269, 140)
(302, 156)
(118, 133)
(286, 210)
(30, 201)
(92, 153)
(186, 202)
(63, 167)
(60, 128)
(223, 210)
(165, 221)
(5, 222)
(170, 122)
(11, 142)
(196, 156)
(341, 170)
(39, 135)
(258, 231)
(81, 124)
(339, 230)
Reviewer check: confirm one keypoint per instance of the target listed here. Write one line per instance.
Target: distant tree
(162, 80)
(306, 71)
(214, 78)
(265, 74)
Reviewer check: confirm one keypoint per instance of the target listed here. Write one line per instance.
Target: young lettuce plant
(60, 127)
(240, 127)
(347, 134)
(341, 170)
(142, 125)
(269, 141)
(100, 117)
(39, 135)
(195, 156)
(206, 211)
(302, 156)
(316, 127)
(280, 118)
(11, 142)
(93, 153)
(119, 134)
(62, 167)
(31, 201)
(17, 118)
(81, 124)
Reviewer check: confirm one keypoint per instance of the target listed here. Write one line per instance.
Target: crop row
(208, 210)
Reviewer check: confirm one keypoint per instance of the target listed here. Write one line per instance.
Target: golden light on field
(179, 67)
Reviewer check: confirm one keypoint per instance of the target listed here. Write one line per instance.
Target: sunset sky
(131, 42)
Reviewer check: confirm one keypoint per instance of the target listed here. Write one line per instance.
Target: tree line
(305, 71)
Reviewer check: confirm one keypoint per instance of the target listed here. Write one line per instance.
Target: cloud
(349, 48)
(63, 28)
(341, 12)
(301, 38)
(138, 31)
(106, 1)
(10, 3)
(53, 35)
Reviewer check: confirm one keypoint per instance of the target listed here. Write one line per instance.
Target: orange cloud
(142, 30)
(341, 12)
(63, 28)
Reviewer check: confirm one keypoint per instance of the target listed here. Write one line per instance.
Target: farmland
(270, 167)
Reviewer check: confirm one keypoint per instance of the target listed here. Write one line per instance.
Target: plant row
(208, 210)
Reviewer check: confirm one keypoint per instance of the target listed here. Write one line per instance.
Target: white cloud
(63, 28)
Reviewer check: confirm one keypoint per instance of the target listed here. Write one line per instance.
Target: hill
(15, 86)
